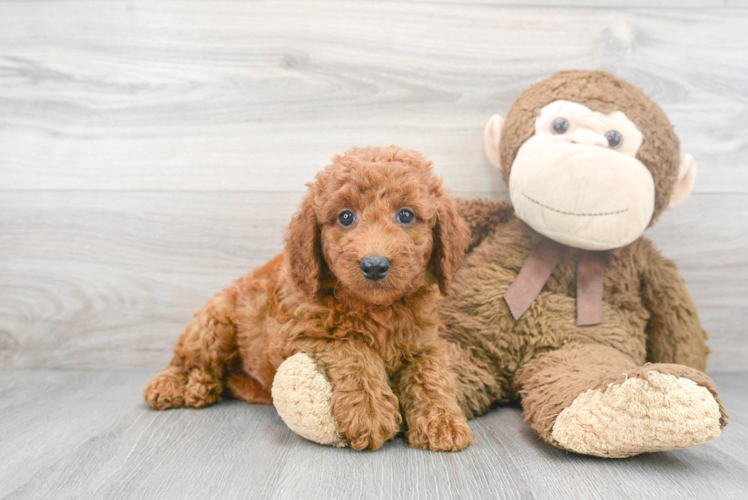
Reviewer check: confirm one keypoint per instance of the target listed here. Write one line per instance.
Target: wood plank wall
(153, 151)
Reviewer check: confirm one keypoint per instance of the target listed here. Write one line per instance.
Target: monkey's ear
(492, 139)
(684, 184)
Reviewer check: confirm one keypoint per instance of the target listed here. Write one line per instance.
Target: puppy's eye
(560, 125)
(346, 218)
(405, 216)
(614, 138)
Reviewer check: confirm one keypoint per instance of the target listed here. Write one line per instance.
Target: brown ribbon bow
(538, 267)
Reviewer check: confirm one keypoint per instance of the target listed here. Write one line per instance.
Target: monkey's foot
(301, 395)
(657, 408)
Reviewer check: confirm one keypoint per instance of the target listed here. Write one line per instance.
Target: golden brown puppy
(355, 289)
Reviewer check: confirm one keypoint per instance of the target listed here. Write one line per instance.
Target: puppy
(376, 238)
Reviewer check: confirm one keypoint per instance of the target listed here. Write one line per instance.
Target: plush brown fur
(377, 342)
(543, 357)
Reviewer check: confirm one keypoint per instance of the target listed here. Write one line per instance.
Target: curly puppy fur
(377, 341)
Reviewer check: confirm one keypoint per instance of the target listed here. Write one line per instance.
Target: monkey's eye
(405, 216)
(346, 218)
(614, 138)
(560, 125)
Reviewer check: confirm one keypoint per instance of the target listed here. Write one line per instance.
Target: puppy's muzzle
(375, 267)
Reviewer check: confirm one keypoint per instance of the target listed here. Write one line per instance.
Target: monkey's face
(577, 179)
(590, 160)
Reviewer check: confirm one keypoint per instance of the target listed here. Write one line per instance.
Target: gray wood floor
(151, 151)
(86, 434)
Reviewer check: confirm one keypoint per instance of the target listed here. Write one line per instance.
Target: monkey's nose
(588, 138)
(375, 267)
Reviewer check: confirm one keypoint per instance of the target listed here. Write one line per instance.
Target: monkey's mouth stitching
(572, 213)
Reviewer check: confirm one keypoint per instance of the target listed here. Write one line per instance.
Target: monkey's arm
(482, 216)
(674, 332)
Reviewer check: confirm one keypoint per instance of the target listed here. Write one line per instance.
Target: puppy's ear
(304, 247)
(451, 239)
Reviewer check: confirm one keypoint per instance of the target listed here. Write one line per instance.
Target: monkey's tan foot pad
(302, 396)
(657, 413)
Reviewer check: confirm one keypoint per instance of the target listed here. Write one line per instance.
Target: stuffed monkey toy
(561, 301)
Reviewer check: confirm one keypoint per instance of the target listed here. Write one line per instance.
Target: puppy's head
(377, 222)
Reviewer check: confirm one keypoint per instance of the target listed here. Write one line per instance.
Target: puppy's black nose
(375, 267)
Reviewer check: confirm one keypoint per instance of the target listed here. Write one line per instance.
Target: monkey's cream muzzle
(583, 196)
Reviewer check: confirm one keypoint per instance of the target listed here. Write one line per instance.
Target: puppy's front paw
(369, 423)
(442, 431)
(166, 390)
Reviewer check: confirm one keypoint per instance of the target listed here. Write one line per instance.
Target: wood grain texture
(45, 416)
(619, 4)
(152, 151)
(234, 95)
(100, 279)
(88, 435)
(651, 4)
